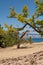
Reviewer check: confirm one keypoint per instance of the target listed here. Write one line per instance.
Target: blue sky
(18, 4)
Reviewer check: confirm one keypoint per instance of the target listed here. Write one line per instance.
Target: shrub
(30, 40)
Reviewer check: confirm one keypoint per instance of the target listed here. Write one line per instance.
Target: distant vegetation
(30, 40)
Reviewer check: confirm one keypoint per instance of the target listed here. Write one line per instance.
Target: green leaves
(10, 36)
(39, 10)
(37, 25)
(25, 11)
(39, 22)
(21, 18)
(10, 28)
(13, 13)
(37, 2)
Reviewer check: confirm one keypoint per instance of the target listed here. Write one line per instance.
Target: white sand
(13, 52)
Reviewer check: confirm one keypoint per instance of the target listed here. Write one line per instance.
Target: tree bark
(24, 33)
(33, 27)
(18, 46)
(30, 26)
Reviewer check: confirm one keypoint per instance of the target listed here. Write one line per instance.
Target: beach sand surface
(27, 49)
(14, 52)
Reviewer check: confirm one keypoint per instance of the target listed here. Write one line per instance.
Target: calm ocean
(36, 39)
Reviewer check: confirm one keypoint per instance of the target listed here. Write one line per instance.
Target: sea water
(36, 39)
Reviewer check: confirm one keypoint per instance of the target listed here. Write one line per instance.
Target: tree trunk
(24, 33)
(18, 46)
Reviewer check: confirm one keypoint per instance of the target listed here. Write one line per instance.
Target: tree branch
(24, 33)
(33, 27)
(39, 31)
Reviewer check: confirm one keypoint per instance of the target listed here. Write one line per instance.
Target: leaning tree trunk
(36, 29)
(18, 46)
(24, 33)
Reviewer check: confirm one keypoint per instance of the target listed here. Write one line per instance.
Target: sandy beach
(32, 53)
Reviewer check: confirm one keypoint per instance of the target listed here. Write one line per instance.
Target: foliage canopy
(33, 22)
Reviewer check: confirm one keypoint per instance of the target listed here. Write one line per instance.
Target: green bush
(30, 40)
(11, 39)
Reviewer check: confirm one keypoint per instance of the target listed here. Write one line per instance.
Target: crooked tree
(34, 21)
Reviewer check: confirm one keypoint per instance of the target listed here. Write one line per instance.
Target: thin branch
(24, 33)
(30, 26)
